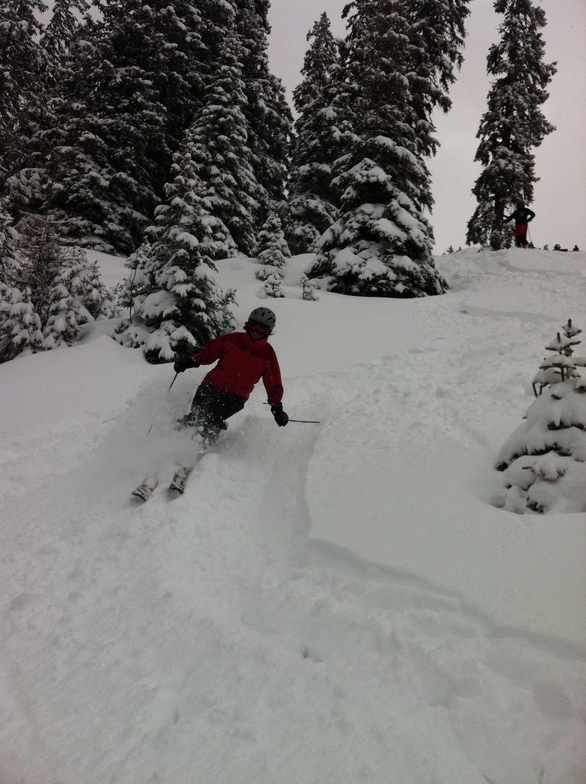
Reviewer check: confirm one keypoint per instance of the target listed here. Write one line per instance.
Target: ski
(179, 480)
(145, 490)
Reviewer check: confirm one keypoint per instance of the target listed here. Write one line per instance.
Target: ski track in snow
(212, 638)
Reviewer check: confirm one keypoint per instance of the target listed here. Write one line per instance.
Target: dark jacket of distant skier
(522, 216)
(243, 359)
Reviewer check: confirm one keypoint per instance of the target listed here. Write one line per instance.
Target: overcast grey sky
(560, 196)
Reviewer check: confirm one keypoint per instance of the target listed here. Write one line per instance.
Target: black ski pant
(209, 409)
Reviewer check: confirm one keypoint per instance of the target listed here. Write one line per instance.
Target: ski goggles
(256, 326)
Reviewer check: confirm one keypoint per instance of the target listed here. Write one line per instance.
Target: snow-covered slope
(326, 603)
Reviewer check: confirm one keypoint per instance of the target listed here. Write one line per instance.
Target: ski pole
(304, 421)
(171, 384)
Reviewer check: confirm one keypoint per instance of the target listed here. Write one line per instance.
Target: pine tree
(382, 243)
(42, 258)
(25, 188)
(272, 287)
(51, 292)
(220, 151)
(561, 365)
(272, 250)
(140, 76)
(21, 68)
(311, 196)
(102, 169)
(308, 289)
(436, 37)
(10, 272)
(513, 124)
(60, 34)
(544, 460)
(20, 325)
(76, 297)
(94, 295)
(269, 119)
(67, 312)
(178, 305)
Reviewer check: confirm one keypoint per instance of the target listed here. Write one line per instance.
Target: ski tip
(179, 480)
(143, 492)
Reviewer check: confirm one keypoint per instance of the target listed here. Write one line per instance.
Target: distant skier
(522, 216)
(244, 358)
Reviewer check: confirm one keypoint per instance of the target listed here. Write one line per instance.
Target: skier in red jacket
(244, 358)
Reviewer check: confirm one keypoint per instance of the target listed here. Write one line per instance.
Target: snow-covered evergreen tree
(77, 296)
(20, 325)
(9, 265)
(308, 287)
(137, 79)
(311, 196)
(21, 69)
(41, 258)
(25, 188)
(67, 312)
(561, 365)
(177, 303)
(48, 291)
(98, 301)
(101, 163)
(267, 111)
(544, 460)
(436, 36)
(381, 245)
(272, 250)
(272, 286)
(219, 142)
(60, 34)
(514, 123)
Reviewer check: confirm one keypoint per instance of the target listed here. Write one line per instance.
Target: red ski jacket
(243, 362)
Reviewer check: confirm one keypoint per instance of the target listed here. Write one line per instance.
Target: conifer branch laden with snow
(544, 460)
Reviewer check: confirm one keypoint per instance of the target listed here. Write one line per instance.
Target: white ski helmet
(264, 316)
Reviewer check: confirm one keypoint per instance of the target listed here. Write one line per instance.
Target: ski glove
(183, 363)
(281, 417)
